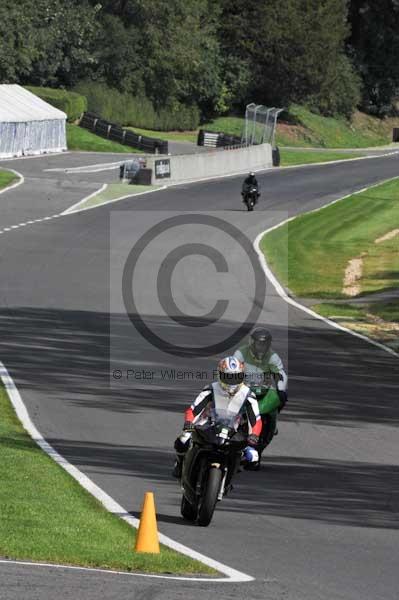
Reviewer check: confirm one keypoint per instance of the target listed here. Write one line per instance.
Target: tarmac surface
(320, 520)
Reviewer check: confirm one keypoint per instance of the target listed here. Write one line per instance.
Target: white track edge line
(72, 209)
(233, 576)
(277, 169)
(283, 294)
(77, 204)
(44, 155)
(335, 162)
(94, 168)
(16, 184)
(69, 211)
(112, 571)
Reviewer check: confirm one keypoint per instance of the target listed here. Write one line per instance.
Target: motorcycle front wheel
(188, 511)
(209, 498)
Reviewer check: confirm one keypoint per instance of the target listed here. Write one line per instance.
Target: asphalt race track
(320, 520)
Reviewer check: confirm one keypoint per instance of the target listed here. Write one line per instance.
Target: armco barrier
(114, 132)
(191, 167)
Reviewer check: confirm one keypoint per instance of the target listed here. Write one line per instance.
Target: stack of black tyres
(114, 132)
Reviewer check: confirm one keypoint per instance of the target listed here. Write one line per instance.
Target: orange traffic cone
(147, 536)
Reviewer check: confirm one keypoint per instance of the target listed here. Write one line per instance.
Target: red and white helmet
(231, 374)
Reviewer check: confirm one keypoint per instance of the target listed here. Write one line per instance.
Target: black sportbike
(209, 465)
(251, 197)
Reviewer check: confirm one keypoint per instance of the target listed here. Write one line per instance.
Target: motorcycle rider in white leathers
(228, 393)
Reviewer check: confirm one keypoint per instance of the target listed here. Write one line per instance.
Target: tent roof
(19, 105)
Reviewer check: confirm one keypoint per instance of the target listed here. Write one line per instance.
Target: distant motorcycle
(251, 197)
(209, 465)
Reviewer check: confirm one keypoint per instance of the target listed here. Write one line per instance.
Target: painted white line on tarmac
(69, 211)
(74, 207)
(105, 166)
(283, 294)
(335, 162)
(278, 169)
(45, 155)
(96, 168)
(113, 572)
(232, 575)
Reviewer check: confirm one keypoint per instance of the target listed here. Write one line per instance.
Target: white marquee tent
(28, 125)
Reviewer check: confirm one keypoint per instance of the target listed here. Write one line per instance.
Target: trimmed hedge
(128, 110)
(71, 103)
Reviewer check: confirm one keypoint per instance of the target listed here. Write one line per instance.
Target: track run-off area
(320, 520)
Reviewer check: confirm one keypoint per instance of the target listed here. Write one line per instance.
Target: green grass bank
(7, 178)
(344, 251)
(82, 139)
(47, 516)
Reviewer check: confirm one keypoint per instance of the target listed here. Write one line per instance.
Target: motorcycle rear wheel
(208, 501)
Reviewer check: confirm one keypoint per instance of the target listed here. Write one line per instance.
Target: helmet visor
(231, 378)
(260, 348)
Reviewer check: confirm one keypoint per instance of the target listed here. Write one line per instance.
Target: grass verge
(305, 128)
(114, 192)
(310, 255)
(82, 139)
(379, 321)
(7, 178)
(47, 516)
(171, 136)
(302, 128)
(230, 125)
(303, 157)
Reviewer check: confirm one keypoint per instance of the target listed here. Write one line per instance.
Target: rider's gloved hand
(188, 426)
(283, 399)
(253, 439)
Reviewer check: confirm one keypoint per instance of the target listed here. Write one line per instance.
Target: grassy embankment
(82, 139)
(7, 178)
(310, 255)
(301, 129)
(291, 157)
(304, 129)
(47, 516)
(114, 192)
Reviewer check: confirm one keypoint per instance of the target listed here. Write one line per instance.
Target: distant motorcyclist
(250, 182)
(228, 392)
(262, 365)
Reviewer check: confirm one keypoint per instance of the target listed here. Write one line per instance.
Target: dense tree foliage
(211, 55)
(46, 42)
(292, 51)
(374, 44)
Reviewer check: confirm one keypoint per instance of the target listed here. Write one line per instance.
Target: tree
(166, 49)
(374, 44)
(290, 51)
(46, 42)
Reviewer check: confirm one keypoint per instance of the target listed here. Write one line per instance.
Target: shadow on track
(338, 492)
(335, 379)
